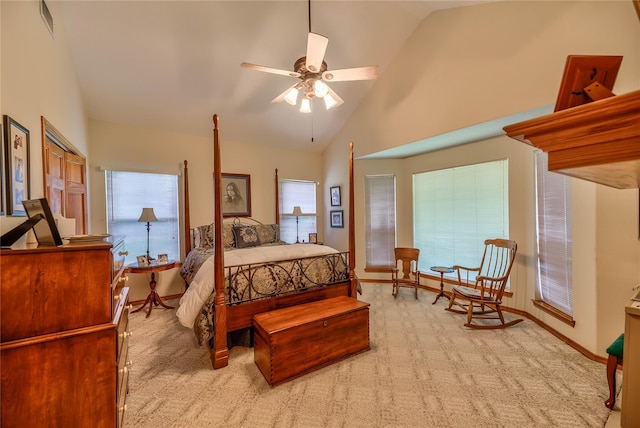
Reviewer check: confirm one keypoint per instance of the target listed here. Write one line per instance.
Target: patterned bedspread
(255, 273)
(193, 261)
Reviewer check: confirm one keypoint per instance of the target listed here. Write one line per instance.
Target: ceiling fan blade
(280, 97)
(359, 73)
(316, 47)
(270, 70)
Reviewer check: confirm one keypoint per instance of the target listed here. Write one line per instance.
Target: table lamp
(297, 212)
(148, 216)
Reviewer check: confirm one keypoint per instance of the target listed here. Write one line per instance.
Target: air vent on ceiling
(46, 16)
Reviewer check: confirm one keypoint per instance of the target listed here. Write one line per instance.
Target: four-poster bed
(234, 285)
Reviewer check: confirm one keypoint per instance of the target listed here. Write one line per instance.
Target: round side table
(442, 270)
(153, 298)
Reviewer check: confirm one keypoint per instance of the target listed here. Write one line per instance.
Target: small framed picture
(17, 166)
(335, 196)
(142, 260)
(313, 238)
(337, 219)
(163, 259)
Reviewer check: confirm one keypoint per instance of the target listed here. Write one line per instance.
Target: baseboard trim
(168, 297)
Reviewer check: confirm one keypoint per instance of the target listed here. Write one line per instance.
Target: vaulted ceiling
(172, 64)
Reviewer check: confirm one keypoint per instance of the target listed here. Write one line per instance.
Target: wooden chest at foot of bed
(293, 341)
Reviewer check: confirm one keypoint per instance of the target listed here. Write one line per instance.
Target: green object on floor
(617, 347)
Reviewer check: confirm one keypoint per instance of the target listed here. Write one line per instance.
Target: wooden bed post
(352, 232)
(187, 214)
(219, 351)
(277, 200)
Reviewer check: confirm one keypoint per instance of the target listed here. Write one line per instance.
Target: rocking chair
(480, 298)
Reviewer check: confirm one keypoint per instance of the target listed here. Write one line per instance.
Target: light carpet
(424, 369)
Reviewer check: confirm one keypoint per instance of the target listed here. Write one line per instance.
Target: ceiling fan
(313, 74)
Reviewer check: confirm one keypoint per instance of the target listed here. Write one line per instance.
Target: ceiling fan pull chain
(309, 15)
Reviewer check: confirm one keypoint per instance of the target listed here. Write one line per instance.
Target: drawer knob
(123, 409)
(124, 370)
(128, 363)
(129, 307)
(123, 253)
(117, 297)
(325, 323)
(126, 334)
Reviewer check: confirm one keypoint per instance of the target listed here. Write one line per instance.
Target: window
(297, 193)
(129, 192)
(456, 209)
(380, 219)
(554, 258)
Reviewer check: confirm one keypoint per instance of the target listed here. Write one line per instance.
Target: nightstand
(153, 298)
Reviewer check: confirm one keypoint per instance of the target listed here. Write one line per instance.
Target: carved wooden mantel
(598, 141)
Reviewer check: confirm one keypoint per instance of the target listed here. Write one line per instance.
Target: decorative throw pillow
(268, 233)
(228, 238)
(246, 236)
(203, 236)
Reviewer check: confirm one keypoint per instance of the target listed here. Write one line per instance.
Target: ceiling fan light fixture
(320, 88)
(292, 96)
(330, 102)
(305, 105)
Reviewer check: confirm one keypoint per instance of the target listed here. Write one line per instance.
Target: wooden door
(65, 177)
(76, 190)
(54, 177)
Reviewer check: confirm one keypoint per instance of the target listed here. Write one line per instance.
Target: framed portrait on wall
(236, 195)
(17, 164)
(337, 218)
(335, 196)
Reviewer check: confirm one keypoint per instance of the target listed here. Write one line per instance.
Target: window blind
(456, 209)
(294, 193)
(380, 219)
(554, 240)
(127, 193)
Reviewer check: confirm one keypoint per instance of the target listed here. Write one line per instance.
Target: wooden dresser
(64, 335)
(631, 367)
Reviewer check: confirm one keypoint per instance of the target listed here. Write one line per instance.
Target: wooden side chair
(407, 263)
(481, 297)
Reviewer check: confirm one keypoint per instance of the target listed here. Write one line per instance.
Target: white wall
(38, 79)
(469, 65)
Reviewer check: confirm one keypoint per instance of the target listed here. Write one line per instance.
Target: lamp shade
(305, 105)
(297, 211)
(147, 215)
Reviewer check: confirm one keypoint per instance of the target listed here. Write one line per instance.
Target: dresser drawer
(118, 279)
(122, 397)
(122, 323)
(123, 364)
(118, 254)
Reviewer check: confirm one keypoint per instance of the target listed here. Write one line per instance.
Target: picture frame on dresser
(17, 165)
(45, 230)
